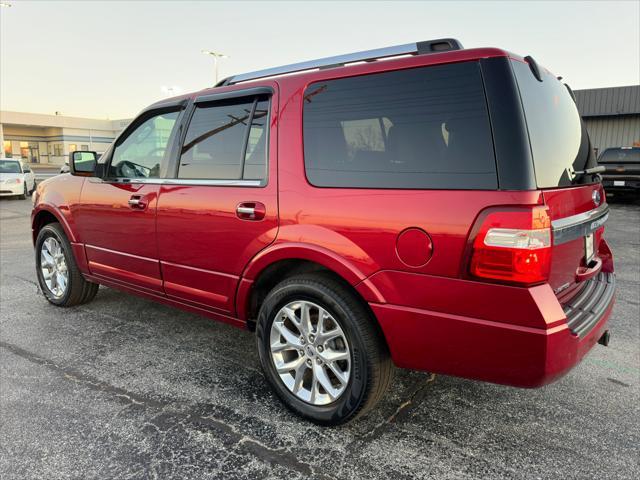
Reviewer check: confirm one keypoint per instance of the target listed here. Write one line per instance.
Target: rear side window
(226, 141)
(559, 141)
(255, 157)
(423, 128)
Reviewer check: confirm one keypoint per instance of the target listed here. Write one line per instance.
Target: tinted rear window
(620, 155)
(559, 141)
(424, 128)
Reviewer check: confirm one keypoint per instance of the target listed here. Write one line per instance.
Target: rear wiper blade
(587, 171)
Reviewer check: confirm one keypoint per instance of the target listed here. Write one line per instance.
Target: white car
(16, 178)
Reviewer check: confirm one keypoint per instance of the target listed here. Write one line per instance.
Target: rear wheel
(321, 351)
(58, 275)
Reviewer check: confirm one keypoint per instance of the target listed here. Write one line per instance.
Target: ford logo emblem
(595, 196)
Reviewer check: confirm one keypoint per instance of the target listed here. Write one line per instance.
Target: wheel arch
(45, 215)
(285, 260)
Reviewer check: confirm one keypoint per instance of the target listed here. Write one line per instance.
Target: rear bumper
(585, 309)
(499, 352)
(623, 184)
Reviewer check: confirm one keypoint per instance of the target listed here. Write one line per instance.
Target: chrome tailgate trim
(576, 226)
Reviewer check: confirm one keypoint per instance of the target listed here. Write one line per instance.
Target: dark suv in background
(622, 170)
(422, 205)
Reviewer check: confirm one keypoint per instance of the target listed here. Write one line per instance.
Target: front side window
(226, 140)
(423, 128)
(144, 151)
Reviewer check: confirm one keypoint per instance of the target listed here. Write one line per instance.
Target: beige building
(47, 139)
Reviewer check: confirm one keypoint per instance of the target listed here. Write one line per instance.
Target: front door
(116, 215)
(221, 209)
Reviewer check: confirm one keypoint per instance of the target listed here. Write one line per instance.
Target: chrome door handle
(255, 211)
(137, 203)
(246, 210)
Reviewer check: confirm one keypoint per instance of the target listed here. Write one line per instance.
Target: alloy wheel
(310, 352)
(53, 266)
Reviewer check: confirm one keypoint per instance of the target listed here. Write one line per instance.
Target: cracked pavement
(126, 388)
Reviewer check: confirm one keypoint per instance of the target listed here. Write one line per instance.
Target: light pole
(4, 5)
(215, 56)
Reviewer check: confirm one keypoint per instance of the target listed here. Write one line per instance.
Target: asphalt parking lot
(126, 388)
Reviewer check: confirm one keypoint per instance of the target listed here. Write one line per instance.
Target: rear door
(116, 215)
(561, 151)
(221, 208)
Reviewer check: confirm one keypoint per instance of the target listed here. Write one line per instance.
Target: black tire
(24, 194)
(371, 365)
(78, 290)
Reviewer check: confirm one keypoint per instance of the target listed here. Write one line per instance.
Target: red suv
(424, 205)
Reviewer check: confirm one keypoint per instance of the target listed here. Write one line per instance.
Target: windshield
(620, 155)
(559, 140)
(10, 166)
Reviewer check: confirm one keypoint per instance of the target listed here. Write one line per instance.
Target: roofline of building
(605, 88)
(53, 116)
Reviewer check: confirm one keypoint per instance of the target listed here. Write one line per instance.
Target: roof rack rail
(418, 48)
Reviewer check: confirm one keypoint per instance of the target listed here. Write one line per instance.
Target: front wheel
(60, 279)
(321, 351)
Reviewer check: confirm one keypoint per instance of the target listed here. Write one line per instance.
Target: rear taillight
(513, 246)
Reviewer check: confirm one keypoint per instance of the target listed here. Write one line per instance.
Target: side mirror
(26, 169)
(83, 163)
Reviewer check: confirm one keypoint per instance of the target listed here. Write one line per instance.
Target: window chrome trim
(219, 183)
(580, 225)
(189, 182)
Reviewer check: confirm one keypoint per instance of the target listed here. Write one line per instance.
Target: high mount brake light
(513, 246)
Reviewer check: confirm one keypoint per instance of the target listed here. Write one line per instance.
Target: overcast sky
(110, 59)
